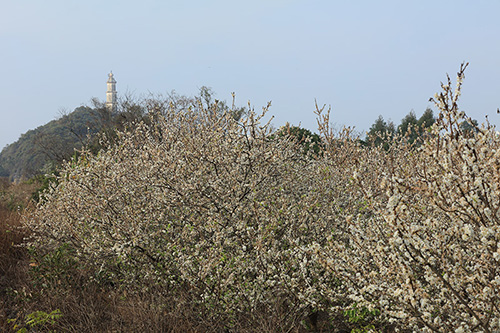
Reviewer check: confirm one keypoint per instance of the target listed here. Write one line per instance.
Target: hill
(40, 148)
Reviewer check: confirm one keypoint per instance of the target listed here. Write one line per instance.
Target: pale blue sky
(364, 58)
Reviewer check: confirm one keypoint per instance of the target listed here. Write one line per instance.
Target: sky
(363, 58)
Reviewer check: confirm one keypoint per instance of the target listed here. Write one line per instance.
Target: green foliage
(3, 172)
(408, 127)
(427, 119)
(469, 127)
(38, 320)
(411, 129)
(381, 132)
(364, 318)
(309, 141)
(42, 319)
(54, 270)
(45, 181)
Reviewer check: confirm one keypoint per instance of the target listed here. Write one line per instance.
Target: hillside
(47, 144)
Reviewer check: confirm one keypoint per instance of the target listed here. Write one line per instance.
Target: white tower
(111, 93)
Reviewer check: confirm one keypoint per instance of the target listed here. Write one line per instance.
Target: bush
(207, 208)
(426, 248)
(229, 225)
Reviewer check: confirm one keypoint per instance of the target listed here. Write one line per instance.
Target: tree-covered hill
(48, 144)
(40, 150)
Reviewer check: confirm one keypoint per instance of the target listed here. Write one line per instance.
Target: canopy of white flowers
(236, 220)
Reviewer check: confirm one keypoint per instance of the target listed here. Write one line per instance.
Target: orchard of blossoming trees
(229, 225)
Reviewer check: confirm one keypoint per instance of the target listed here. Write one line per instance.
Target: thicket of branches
(234, 225)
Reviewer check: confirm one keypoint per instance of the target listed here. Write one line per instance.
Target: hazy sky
(364, 58)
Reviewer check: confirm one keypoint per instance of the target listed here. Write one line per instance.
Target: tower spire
(111, 93)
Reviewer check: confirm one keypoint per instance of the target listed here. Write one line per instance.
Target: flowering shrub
(202, 205)
(425, 248)
(223, 216)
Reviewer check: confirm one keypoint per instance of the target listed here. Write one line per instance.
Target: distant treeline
(411, 129)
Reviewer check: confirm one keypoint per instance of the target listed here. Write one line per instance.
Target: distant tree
(427, 119)
(51, 145)
(425, 122)
(58, 139)
(379, 126)
(309, 141)
(177, 102)
(391, 129)
(409, 127)
(381, 132)
(206, 98)
(130, 111)
(469, 127)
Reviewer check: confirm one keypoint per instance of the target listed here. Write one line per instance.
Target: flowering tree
(209, 208)
(223, 216)
(425, 247)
